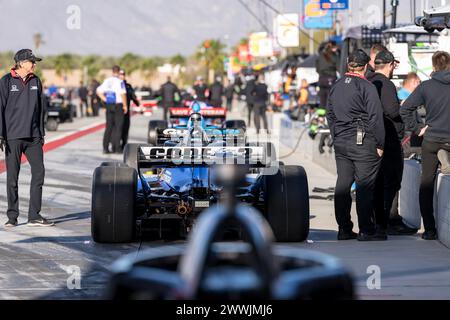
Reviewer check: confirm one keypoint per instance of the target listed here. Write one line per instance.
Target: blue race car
(213, 119)
(164, 188)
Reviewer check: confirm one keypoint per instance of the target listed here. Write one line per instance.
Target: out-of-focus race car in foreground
(208, 270)
(163, 189)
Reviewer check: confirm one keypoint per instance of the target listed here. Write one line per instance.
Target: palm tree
(130, 62)
(92, 63)
(38, 41)
(177, 59)
(64, 63)
(212, 54)
(148, 66)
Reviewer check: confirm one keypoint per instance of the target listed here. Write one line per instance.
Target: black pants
(250, 107)
(114, 126)
(389, 182)
(166, 106)
(430, 163)
(358, 164)
(325, 84)
(229, 104)
(126, 129)
(260, 112)
(96, 104)
(32, 148)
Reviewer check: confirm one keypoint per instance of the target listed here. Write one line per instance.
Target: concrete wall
(290, 131)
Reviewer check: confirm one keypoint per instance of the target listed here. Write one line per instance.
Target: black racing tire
(113, 164)
(235, 124)
(286, 196)
(113, 217)
(154, 127)
(52, 124)
(130, 153)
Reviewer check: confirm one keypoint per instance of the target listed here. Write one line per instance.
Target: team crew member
(434, 94)
(355, 117)
(249, 98)
(374, 50)
(200, 89)
(327, 66)
(131, 96)
(113, 93)
(391, 171)
(260, 98)
(22, 110)
(168, 92)
(216, 93)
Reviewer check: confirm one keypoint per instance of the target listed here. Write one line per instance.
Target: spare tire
(154, 128)
(286, 197)
(113, 204)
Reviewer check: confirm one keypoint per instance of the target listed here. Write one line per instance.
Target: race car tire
(52, 124)
(235, 124)
(286, 196)
(153, 127)
(113, 164)
(130, 153)
(113, 204)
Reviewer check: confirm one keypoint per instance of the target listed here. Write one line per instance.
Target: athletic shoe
(371, 237)
(346, 235)
(430, 235)
(11, 223)
(41, 222)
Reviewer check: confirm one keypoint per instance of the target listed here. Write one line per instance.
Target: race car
(147, 103)
(213, 119)
(163, 189)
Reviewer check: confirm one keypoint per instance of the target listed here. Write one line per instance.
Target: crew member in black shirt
(22, 111)
(168, 92)
(131, 96)
(260, 98)
(355, 117)
(200, 89)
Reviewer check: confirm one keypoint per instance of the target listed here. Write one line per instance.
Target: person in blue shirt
(410, 84)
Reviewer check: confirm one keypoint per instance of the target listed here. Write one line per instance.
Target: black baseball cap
(385, 57)
(358, 58)
(25, 54)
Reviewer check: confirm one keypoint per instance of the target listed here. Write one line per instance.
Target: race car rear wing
(167, 157)
(206, 112)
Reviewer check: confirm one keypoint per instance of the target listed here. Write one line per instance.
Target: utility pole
(384, 14)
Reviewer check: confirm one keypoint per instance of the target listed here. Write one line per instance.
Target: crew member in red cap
(356, 122)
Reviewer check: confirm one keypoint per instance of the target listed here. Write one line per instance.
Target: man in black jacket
(355, 117)
(327, 65)
(391, 170)
(260, 98)
(200, 89)
(249, 89)
(131, 96)
(22, 111)
(216, 93)
(168, 92)
(434, 94)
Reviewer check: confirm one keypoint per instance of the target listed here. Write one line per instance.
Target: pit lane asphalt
(34, 262)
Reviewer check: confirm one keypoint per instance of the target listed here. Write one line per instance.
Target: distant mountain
(113, 27)
(146, 27)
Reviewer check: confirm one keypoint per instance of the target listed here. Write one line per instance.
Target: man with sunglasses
(389, 177)
(22, 111)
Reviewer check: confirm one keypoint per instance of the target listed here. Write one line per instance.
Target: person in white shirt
(113, 93)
